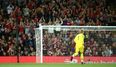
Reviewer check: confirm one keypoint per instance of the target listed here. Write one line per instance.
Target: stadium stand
(30, 13)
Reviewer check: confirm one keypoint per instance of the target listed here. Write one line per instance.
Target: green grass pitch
(54, 65)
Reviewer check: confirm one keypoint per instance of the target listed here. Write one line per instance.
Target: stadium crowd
(25, 15)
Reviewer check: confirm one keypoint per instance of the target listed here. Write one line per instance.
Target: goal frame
(39, 35)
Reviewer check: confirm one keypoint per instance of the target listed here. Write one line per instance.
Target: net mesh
(58, 41)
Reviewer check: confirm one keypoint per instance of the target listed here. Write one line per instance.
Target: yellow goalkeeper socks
(82, 57)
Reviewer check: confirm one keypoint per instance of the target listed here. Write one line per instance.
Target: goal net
(55, 43)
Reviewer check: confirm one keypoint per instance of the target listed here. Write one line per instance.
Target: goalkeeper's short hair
(81, 31)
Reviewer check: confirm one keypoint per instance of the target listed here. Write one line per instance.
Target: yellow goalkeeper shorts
(79, 49)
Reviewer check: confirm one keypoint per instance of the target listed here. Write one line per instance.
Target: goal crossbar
(85, 28)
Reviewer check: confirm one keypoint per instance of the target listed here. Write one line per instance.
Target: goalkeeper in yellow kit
(79, 46)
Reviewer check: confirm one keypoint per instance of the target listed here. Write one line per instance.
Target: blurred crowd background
(18, 18)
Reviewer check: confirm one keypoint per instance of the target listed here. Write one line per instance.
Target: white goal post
(50, 28)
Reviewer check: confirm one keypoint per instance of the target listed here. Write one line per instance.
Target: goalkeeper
(79, 46)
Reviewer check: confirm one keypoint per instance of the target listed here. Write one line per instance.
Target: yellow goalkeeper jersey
(79, 39)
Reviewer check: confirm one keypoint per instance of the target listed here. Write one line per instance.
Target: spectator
(88, 52)
(107, 52)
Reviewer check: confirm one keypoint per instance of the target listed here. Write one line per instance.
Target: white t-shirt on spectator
(58, 28)
(51, 30)
(10, 9)
(26, 11)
